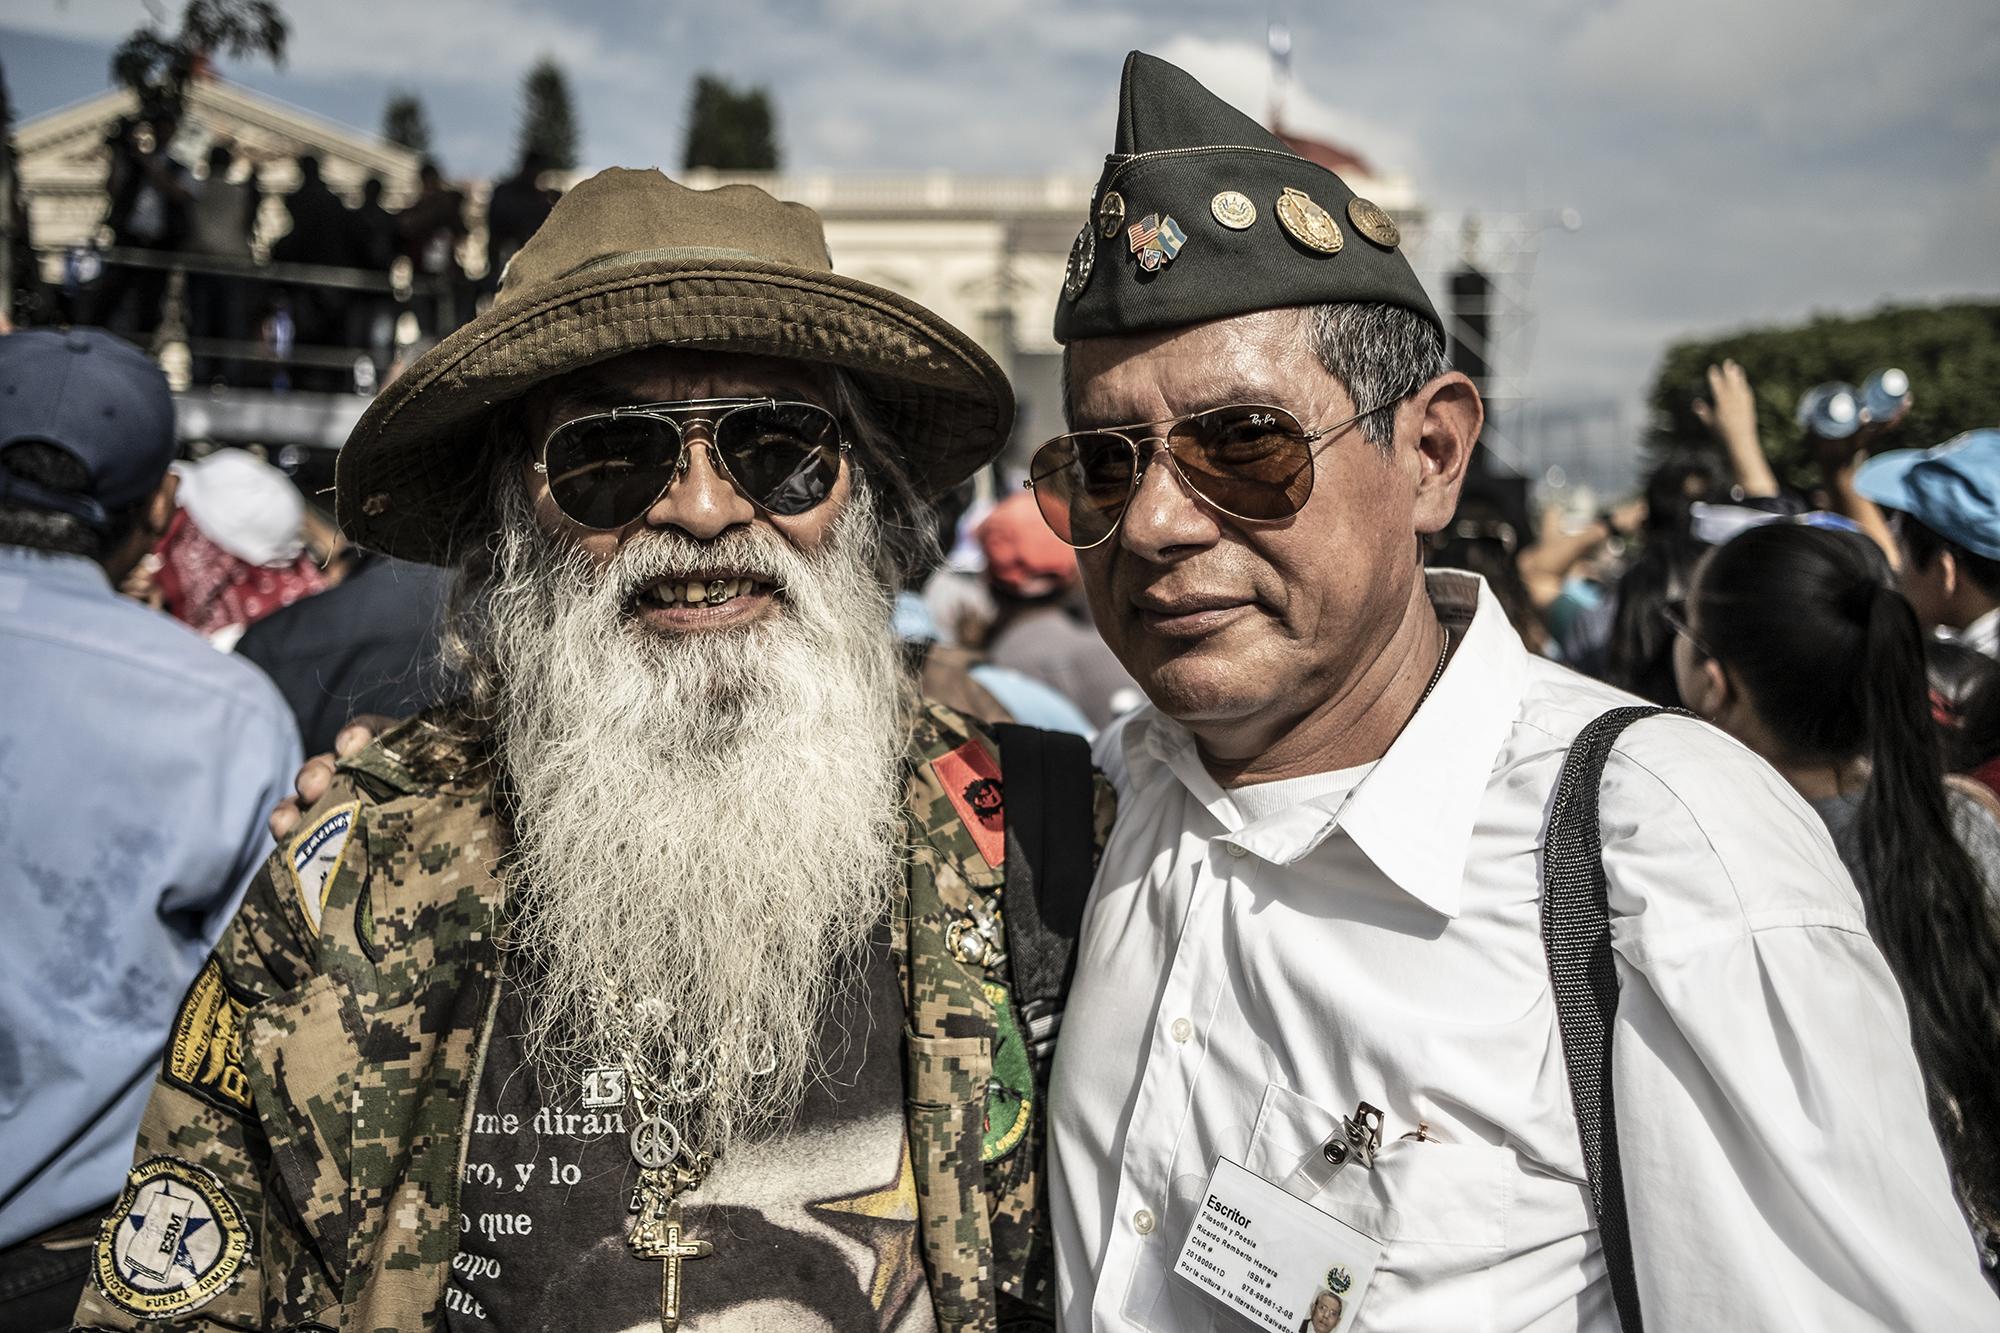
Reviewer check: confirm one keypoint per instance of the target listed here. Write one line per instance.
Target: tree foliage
(157, 67)
(548, 117)
(405, 124)
(1952, 354)
(728, 129)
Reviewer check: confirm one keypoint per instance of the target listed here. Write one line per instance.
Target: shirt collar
(1413, 814)
(1982, 634)
(54, 567)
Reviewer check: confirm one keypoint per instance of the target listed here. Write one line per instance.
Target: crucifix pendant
(657, 1235)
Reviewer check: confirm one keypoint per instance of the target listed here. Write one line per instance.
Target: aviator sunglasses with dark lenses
(1248, 460)
(607, 469)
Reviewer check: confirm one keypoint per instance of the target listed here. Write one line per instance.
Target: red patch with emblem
(971, 778)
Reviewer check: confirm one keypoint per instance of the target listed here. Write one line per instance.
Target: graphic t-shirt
(814, 1227)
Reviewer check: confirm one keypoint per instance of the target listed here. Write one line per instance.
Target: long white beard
(708, 826)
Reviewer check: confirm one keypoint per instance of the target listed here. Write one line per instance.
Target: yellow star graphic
(885, 1220)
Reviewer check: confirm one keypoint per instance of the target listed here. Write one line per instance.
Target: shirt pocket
(1439, 1209)
(301, 1052)
(947, 1104)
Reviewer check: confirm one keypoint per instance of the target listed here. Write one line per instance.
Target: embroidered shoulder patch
(172, 1242)
(971, 779)
(205, 1047)
(1010, 1090)
(314, 856)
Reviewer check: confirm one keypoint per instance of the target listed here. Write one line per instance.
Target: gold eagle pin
(1369, 219)
(1307, 223)
(1233, 209)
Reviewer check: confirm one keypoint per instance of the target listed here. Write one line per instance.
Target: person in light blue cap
(1946, 505)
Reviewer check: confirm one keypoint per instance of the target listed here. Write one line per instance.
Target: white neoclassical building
(987, 252)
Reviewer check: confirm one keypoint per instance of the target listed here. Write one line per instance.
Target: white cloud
(428, 41)
(1800, 70)
(1239, 72)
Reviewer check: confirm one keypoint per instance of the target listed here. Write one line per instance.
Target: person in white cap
(236, 550)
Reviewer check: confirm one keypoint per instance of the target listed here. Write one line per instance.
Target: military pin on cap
(1233, 209)
(1369, 219)
(1155, 240)
(1110, 213)
(1307, 223)
(1082, 254)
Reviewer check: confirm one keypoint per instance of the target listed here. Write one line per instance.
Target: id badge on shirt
(1274, 1258)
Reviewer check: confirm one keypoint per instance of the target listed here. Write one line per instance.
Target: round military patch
(1233, 209)
(1369, 219)
(1110, 213)
(173, 1240)
(1307, 223)
(1082, 254)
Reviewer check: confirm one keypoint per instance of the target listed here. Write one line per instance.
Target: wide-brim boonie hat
(630, 260)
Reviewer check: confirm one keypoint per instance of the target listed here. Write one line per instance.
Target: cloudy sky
(1733, 162)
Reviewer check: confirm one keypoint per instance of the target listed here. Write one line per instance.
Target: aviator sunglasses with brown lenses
(1250, 461)
(608, 468)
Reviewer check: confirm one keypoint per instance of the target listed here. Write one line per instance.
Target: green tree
(157, 67)
(1952, 354)
(730, 130)
(16, 260)
(548, 117)
(405, 124)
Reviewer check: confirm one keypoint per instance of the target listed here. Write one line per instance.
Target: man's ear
(1947, 573)
(1448, 416)
(159, 511)
(1717, 690)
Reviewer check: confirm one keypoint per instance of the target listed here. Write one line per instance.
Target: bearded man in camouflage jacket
(663, 978)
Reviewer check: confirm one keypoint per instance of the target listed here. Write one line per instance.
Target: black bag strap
(1048, 798)
(1576, 934)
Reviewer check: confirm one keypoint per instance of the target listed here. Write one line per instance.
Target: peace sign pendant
(655, 1142)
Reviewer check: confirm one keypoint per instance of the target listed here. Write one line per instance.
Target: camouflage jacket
(298, 1166)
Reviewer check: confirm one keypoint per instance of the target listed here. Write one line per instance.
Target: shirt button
(1182, 1029)
(1142, 1222)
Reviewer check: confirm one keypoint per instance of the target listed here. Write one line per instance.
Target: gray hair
(1380, 353)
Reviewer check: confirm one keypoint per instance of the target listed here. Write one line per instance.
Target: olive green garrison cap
(1202, 213)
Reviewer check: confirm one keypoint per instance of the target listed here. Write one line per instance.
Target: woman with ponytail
(1794, 641)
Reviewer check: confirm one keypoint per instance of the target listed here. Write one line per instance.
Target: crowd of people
(339, 272)
(736, 883)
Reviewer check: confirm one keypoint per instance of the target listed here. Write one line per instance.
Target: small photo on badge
(1325, 1314)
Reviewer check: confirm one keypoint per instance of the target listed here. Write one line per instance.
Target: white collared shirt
(1241, 986)
(1982, 634)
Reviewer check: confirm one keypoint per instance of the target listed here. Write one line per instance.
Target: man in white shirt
(1314, 949)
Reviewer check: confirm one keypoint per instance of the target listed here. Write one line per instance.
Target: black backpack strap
(1576, 933)
(1048, 810)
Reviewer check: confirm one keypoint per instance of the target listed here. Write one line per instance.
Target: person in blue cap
(1946, 507)
(1322, 1008)
(137, 765)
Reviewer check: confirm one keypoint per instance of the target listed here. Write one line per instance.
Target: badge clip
(1359, 1136)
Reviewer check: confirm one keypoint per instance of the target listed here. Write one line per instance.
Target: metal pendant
(660, 1234)
(603, 1087)
(655, 1142)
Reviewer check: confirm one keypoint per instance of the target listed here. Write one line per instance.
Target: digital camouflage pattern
(360, 1041)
